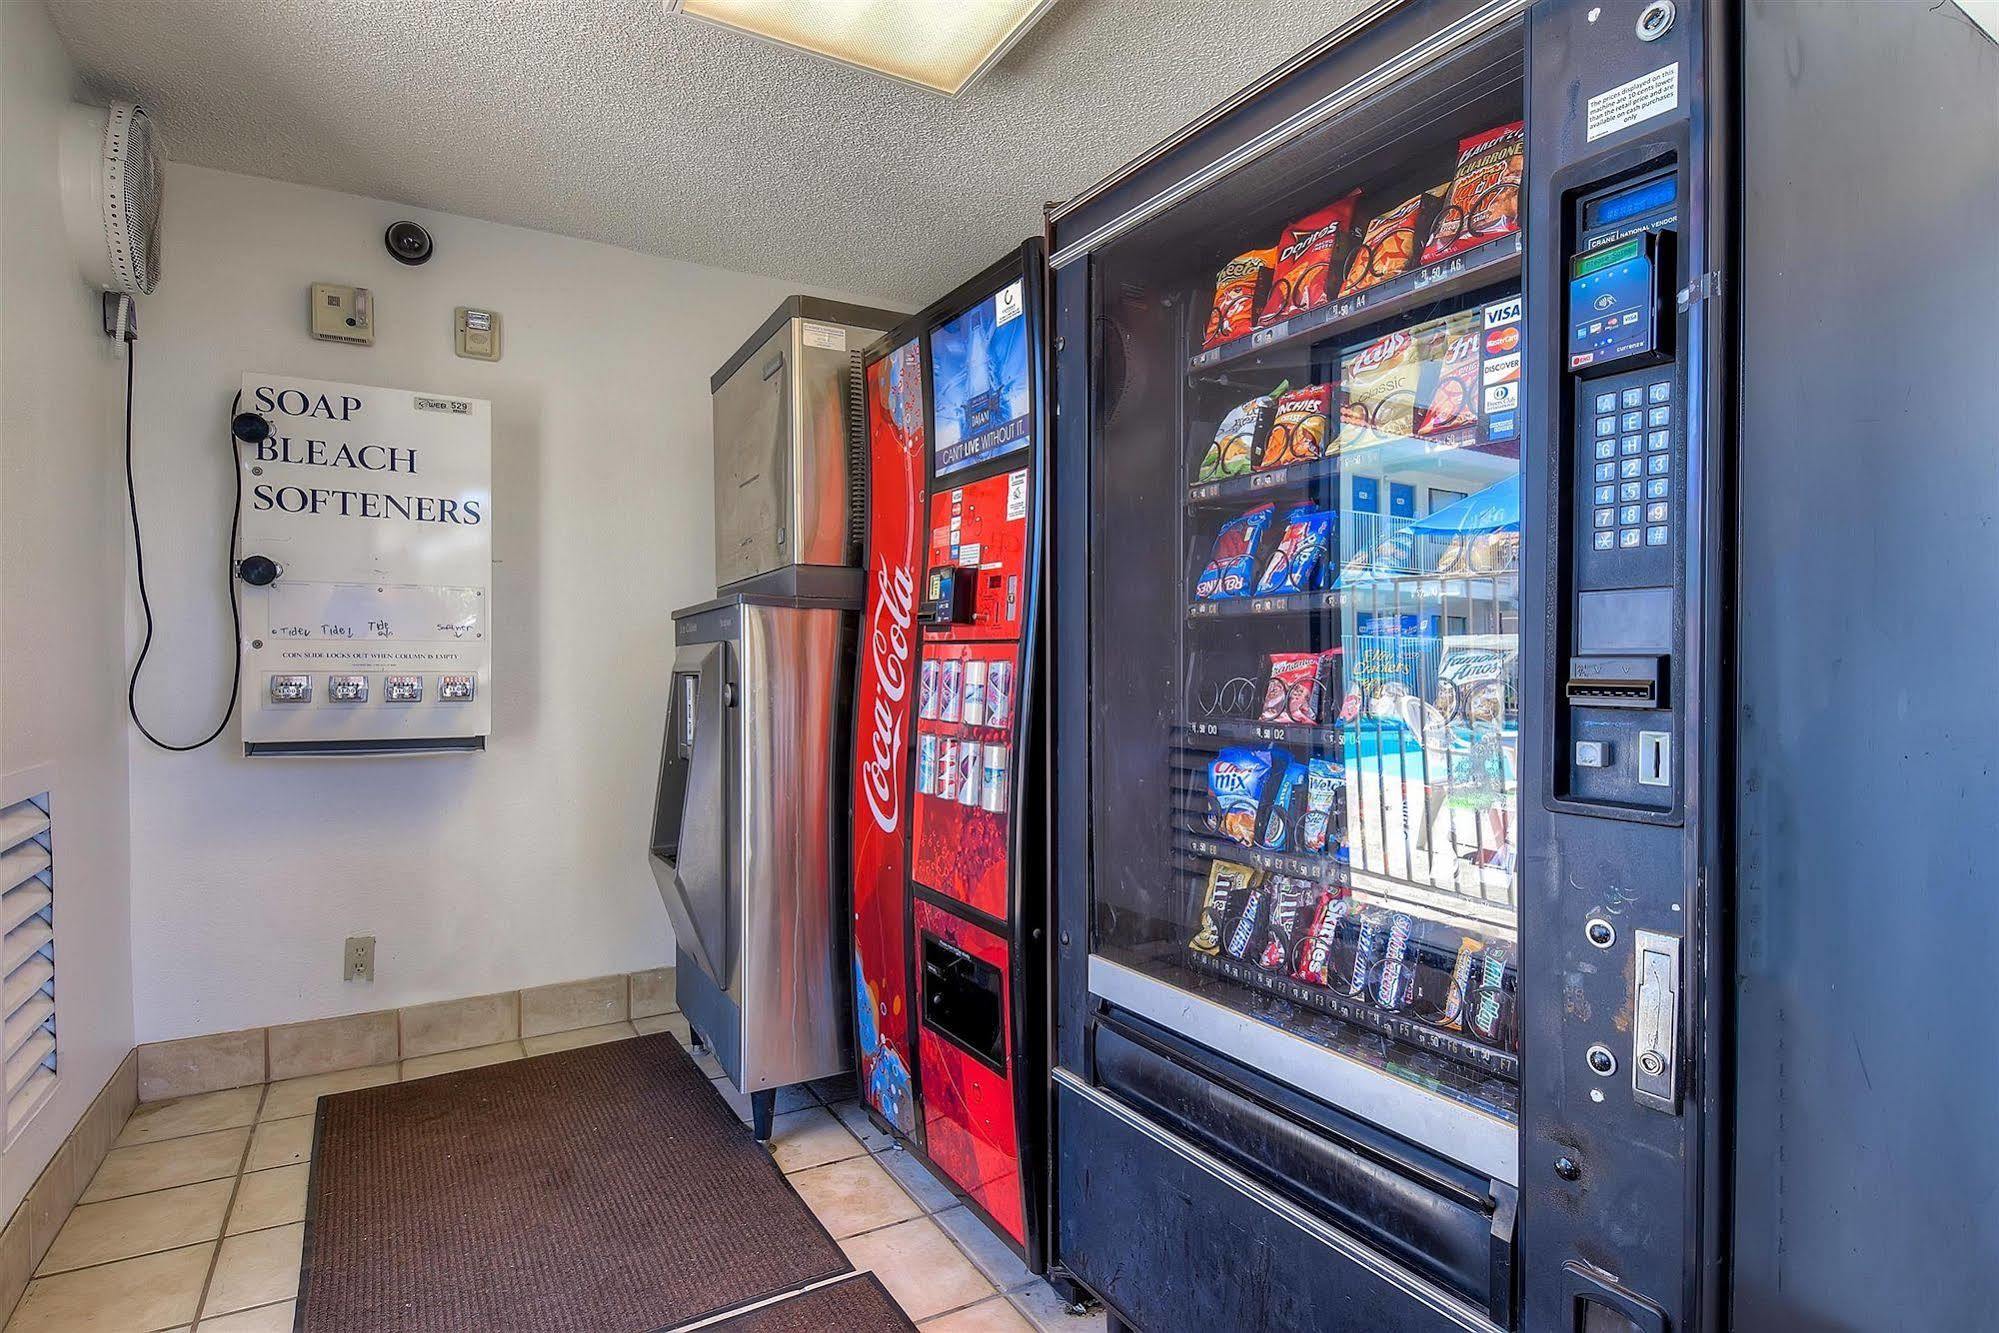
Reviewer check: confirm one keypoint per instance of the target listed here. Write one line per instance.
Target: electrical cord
(139, 561)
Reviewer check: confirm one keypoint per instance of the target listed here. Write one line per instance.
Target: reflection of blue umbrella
(1494, 509)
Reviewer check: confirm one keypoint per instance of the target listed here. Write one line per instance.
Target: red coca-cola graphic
(886, 701)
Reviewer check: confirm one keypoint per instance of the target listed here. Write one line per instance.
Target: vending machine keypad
(1629, 498)
(1630, 439)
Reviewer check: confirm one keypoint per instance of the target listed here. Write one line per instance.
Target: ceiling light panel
(942, 45)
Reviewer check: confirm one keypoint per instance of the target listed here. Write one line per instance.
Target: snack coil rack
(1482, 266)
(1400, 846)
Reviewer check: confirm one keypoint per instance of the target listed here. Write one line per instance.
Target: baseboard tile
(46, 1206)
(191, 1065)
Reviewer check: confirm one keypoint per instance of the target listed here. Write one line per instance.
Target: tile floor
(196, 1217)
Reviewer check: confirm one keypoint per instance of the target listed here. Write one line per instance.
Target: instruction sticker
(1016, 496)
(831, 337)
(1641, 99)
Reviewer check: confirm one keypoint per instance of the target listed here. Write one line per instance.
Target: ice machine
(749, 821)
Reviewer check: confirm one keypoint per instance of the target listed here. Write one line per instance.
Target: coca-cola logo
(888, 653)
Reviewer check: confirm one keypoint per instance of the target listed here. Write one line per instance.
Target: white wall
(61, 555)
(520, 866)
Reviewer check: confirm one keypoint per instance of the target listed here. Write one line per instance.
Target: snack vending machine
(948, 850)
(1397, 560)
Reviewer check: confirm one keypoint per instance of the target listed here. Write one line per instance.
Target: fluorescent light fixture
(942, 45)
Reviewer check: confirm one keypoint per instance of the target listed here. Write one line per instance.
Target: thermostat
(343, 314)
(478, 334)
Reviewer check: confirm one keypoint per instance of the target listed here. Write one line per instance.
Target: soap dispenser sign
(365, 559)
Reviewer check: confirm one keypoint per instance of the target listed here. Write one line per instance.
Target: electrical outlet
(360, 958)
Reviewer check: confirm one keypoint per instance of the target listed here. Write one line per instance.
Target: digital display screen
(1646, 198)
(980, 383)
(1611, 294)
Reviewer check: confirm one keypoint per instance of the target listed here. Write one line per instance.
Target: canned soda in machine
(973, 710)
(968, 773)
(947, 769)
(950, 688)
(992, 780)
(926, 765)
(999, 694)
(926, 691)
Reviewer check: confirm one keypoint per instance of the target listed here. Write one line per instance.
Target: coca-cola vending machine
(949, 853)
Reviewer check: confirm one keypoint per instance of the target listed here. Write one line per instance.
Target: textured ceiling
(618, 122)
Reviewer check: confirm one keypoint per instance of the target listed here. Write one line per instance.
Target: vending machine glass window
(1306, 593)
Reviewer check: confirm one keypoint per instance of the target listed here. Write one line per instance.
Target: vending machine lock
(1655, 1031)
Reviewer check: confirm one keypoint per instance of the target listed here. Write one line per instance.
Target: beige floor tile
(674, 1023)
(706, 1062)
(920, 1267)
(912, 1175)
(571, 1040)
(170, 1162)
(155, 1291)
(168, 1219)
(812, 1137)
(854, 1196)
(1047, 1313)
(855, 1117)
(1002, 1267)
(738, 1102)
(424, 1066)
(264, 1319)
(838, 1088)
(299, 1096)
(280, 1143)
(257, 1268)
(988, 1316)
(269, 1199)
(183, 1116)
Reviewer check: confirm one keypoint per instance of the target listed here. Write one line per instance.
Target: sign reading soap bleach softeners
(366, 569)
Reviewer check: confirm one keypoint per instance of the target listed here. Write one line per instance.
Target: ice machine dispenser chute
(690, 816)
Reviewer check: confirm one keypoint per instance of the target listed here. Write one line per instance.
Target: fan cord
(139, 562)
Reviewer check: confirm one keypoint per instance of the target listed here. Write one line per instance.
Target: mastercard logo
(1502, 340)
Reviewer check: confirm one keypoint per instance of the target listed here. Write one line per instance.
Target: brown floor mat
(859, 1304)
(607, 1188)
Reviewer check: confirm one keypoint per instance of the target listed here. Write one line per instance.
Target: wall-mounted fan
(111, 186)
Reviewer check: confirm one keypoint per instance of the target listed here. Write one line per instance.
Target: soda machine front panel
(968, 691)
(971, 1129)
(886, 705)
(366, 532)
